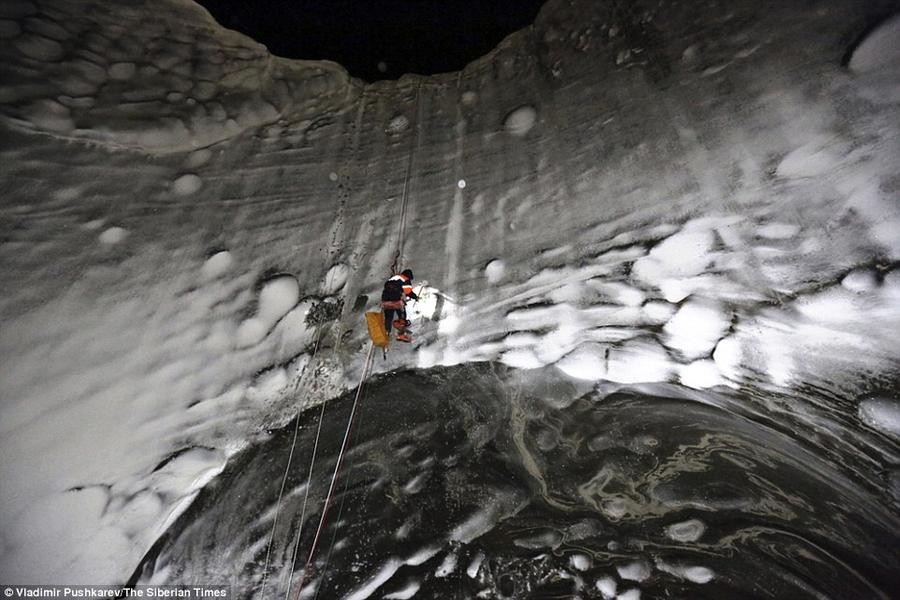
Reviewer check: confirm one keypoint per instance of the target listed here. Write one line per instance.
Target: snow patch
(587, 362)
(635, 361)
(48, 523)
(422, 556)
(113, 235)
(696, 327)
(777, 231)
(522, 358)
(881, 414)
(727, 357)
(683, 254)
(384, 573)
(580, 562)
(406, 593)
(416, 484)
(475, 565)
(690, 573)
(268, 384)
(686, 531)
(810, 160)
(657, 312)
(335, 278)
(476, 525)
(607, 587)
(187, 184)
(621, 293)
(495, 270)
(715, 69)
(398, 124)
(198, 158)
(521, 120)
(447, 566)
(216, 265)
(860, 281)
(880, 49)
(638, 570)
(700, 375)
(277, 297)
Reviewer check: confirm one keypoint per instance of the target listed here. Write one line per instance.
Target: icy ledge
(162, 80)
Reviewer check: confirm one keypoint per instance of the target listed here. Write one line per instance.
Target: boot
(403, 337)
(402, 326)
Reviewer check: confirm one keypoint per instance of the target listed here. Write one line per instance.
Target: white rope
(412, 153)
(287, 470)
(399, 254)
(337, 467)
(312, 462)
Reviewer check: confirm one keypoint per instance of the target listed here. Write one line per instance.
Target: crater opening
(378, 39)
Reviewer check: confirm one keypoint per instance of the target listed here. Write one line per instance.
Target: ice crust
(158, 170)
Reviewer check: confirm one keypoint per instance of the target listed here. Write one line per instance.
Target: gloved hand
(413, 295)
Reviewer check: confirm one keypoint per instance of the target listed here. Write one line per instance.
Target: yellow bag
(375, 323)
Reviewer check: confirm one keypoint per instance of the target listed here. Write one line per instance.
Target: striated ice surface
(192, 227)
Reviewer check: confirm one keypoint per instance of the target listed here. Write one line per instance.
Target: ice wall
(633, 192)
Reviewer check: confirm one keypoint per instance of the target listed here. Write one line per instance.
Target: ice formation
(686, 531)
(191, 228)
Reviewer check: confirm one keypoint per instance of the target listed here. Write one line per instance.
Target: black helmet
(408, 274)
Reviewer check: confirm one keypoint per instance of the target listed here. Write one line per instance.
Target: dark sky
(409, 36)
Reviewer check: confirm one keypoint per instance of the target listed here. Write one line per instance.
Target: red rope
(337, 467)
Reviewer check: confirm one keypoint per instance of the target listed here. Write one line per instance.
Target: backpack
(393, 290)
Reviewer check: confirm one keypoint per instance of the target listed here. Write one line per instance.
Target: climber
(393, 301)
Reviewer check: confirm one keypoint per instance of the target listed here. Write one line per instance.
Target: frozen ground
(486, 482)
(624, 196)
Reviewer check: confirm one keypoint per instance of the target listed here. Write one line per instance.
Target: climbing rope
(312, 463)
(340, 513)
(284, 477)
(337, 467)
(405, 199)
(401, 234)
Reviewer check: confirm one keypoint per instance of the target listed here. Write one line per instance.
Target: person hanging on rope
(393, 301)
